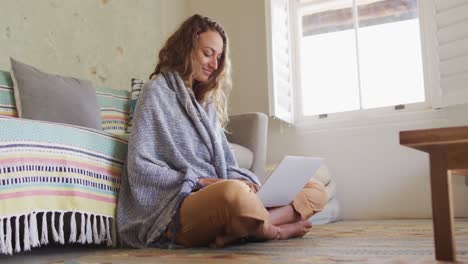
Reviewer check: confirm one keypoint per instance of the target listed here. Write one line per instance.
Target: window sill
(371, 117)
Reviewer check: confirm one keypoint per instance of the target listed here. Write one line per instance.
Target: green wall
(105, 41)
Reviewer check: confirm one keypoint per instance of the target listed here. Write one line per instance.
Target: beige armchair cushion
(250, 130)
(244, 156)
(323, 175)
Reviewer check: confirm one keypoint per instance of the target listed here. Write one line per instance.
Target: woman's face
(207, 54)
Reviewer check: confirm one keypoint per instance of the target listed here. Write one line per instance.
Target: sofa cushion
(48, 97)
(114, 109)
(244, 156)
(7, 97)
(136, 86)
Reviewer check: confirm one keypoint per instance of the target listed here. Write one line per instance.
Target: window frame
(381, 115)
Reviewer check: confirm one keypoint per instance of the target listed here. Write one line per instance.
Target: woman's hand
(253, 187)
(203, 182)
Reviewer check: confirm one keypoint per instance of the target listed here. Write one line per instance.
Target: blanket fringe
(26, 239)
(54, 230)
(17, 235)
(33, 231)
(2, 239)
(95, 231)
(45, 234)
(8, 240)
(109, 240)
(72, 229)
(61, 234)
(26, 232)
(89, 234)
(102, 234)
(82, 238)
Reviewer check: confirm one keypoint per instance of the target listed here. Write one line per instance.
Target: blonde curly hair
(177, 54)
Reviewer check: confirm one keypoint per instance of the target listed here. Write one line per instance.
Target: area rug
(381, 241)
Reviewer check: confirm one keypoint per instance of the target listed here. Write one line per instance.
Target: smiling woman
(189, 51)
(182, 184)
(207, 54)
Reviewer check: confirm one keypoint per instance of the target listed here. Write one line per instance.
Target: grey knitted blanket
(174, 142)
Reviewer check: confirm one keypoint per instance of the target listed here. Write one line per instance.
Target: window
(331, 56)
(359, 54)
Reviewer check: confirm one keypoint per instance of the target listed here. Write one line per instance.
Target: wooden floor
(381, 241)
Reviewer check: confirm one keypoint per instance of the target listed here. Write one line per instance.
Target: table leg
(442, 211)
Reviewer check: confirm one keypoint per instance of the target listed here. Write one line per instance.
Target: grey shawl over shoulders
(174, 142)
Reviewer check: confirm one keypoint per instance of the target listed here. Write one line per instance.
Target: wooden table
(448, 153)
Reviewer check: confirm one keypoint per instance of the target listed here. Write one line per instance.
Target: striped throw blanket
(57, 183)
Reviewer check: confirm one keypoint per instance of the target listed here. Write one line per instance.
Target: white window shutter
(446, 29)
(280, 67)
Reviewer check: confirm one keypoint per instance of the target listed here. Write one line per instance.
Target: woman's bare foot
(297, 229)
(283, 215)
(286, 231)
(222, 241)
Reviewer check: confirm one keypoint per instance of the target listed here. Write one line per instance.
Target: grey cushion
(48, 97)
(244, 156)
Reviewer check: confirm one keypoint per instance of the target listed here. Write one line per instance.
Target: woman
(181, 182)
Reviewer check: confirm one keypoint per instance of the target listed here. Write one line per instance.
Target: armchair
(250, 130)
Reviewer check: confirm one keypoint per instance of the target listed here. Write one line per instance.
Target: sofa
(59, 183)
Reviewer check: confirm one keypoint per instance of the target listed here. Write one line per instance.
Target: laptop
(288, 179)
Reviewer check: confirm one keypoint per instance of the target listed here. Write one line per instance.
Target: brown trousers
(218, 208)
